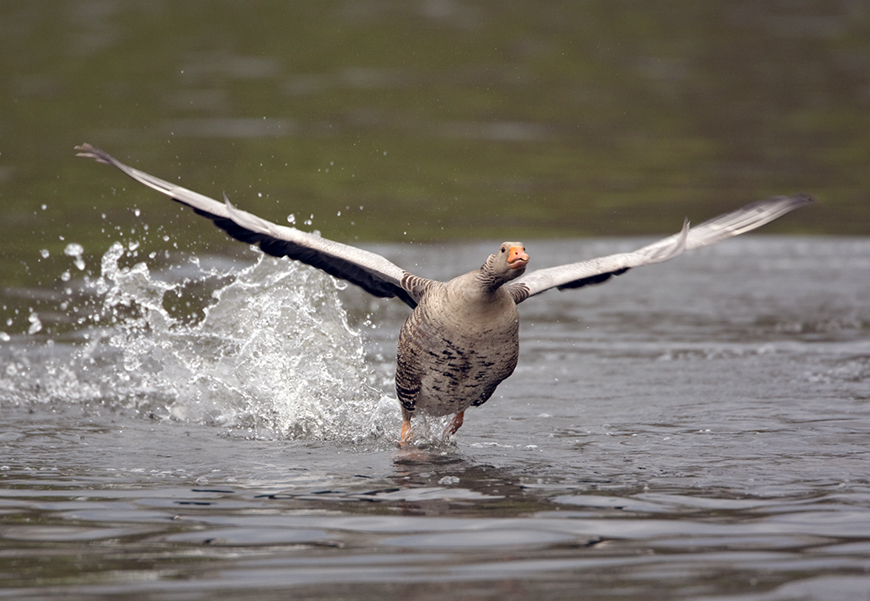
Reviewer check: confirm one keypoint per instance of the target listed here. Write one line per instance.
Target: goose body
(457, 346)
(462, 338)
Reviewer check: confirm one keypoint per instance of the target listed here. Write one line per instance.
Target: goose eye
(503, 249)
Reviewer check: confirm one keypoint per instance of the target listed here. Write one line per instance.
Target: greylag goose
(461, 339)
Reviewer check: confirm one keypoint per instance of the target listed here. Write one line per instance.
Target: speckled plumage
(456, 348)
(461, 340)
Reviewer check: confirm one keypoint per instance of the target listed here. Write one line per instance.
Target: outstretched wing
(370, 271)
(596, 271)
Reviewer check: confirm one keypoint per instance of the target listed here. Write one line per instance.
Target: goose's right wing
(368, 270)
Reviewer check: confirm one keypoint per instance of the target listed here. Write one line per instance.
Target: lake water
(209, 424)
(204, 426)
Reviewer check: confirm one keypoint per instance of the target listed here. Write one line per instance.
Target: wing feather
(370, 271)
(596, 271)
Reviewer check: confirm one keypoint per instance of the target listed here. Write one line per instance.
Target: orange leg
(454, 424)
(405, 436)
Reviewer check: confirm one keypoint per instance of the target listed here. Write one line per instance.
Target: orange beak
(517, 257)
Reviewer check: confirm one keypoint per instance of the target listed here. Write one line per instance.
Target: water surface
(181, 419)
(693, 430)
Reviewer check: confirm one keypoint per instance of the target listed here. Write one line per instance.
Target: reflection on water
(690, 430)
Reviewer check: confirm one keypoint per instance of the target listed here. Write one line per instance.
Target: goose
(461, 339)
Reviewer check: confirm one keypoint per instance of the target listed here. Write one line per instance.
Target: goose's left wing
(596, 271)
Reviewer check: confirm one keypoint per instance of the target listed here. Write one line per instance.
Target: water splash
(268, 353)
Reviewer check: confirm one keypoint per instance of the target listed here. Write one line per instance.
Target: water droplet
(35, 324)
(73, 249)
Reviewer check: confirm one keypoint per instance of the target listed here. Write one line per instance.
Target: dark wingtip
(798, 200)
(783, 204)
(89, 151)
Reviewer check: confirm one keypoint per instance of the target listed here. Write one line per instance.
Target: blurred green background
(426, 120)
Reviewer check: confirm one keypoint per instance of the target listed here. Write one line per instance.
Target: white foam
(271, 355)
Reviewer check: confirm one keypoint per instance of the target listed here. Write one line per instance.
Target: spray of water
(269, 355)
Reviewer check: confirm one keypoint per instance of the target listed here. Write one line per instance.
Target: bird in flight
(461, 339)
